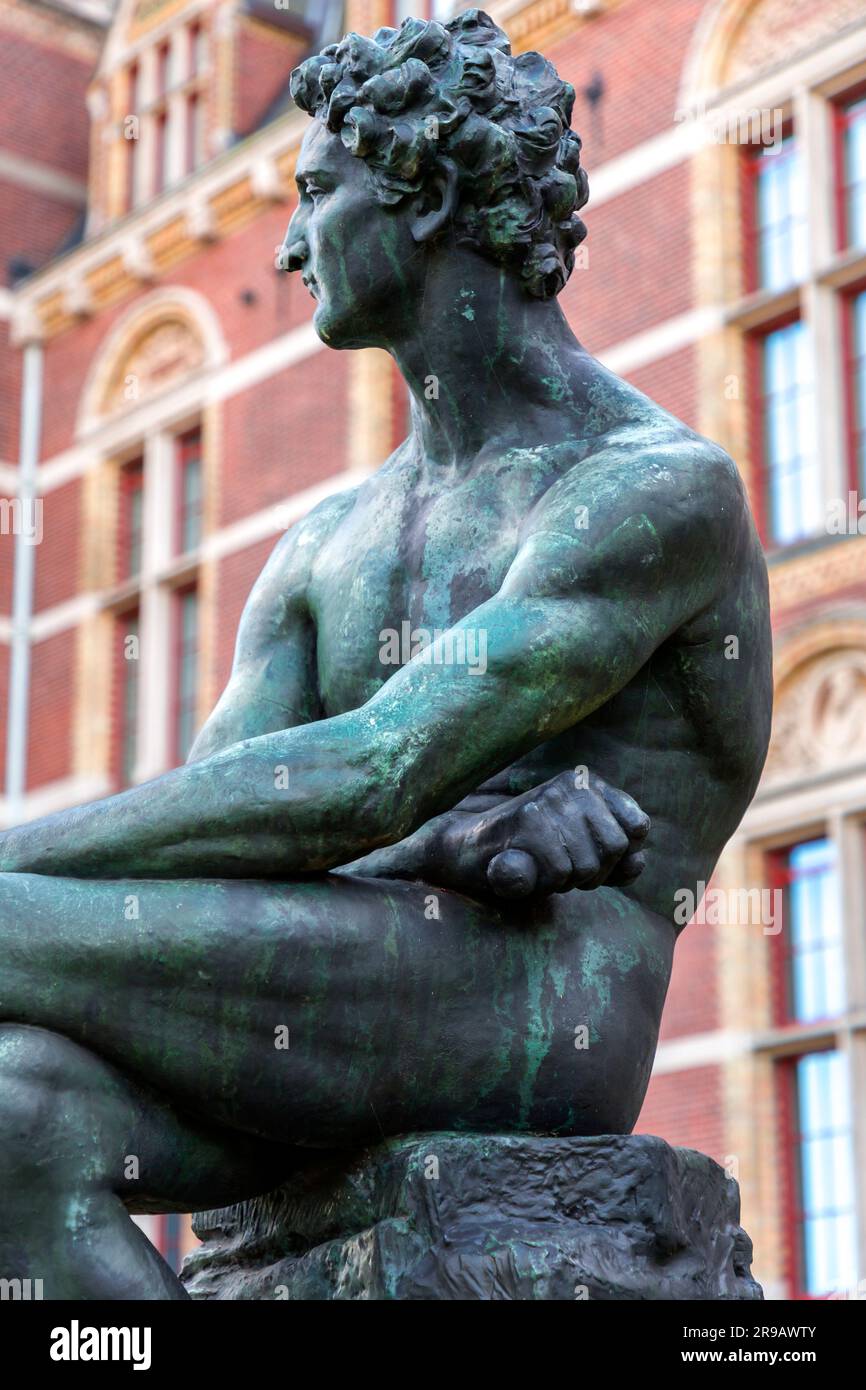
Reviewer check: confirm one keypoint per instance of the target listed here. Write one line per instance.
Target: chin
(341, 331)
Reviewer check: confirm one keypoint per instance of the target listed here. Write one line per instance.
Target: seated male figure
(432, 879)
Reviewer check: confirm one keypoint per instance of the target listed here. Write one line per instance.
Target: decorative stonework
(531, 23)
(819, 722)
(51, 25)
(167, 339)
(162, 356)
(145, 14)
(816, 574)
(778, 30)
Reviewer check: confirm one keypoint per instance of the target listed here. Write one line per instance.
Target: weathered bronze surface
(392, 892)
(486, 1216)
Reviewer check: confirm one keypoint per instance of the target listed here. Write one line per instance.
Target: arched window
(147, 390)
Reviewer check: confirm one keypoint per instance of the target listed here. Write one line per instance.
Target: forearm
(320, 795)
(422, 855)
(284, 804)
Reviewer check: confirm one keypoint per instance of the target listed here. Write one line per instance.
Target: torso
(688, 735)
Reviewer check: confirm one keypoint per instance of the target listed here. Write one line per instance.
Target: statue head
(425, 135)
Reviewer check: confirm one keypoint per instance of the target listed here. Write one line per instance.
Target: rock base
(456, 1216)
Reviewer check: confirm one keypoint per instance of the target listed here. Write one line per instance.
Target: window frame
(179, 592)
(781, 1043)
(794, 1258)
(188, 448)
(852, 96)
(193, 154)
(120, 724)
(847, 297)
(779, 878)
(760, 491)
(750, 167)
(162, 68)
(131, 483)
(133, 163)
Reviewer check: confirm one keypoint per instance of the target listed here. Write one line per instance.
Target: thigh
(332, 1011)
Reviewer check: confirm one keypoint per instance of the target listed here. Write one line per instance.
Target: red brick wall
(672, 383)
(10, 396)
(43, 120)
(54, 129)
(639, 262)
(52, 686)
(290, 431)
(4, 686)
(32, 226)
(57, 558)
(263, 62)
(692, 1004)
(222, 273)
(685, 1108)
(7, 564)
(638, 49)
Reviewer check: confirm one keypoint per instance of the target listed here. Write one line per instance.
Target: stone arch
(159, 343)
(735, 40)
(819, 718)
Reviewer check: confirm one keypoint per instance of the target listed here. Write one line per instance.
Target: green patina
(603, 649)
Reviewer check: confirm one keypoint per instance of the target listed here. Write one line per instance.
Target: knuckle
(616, 842)
(586, 869)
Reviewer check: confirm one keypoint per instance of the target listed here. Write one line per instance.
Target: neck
(486, 364)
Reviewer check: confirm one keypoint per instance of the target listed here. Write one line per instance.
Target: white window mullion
(813, 130)
(857, 1083)
(156, 634)
(145, 163)
(175, 135)
(175, 140)
(848, 831)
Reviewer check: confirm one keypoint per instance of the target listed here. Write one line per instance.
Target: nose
(293, 252)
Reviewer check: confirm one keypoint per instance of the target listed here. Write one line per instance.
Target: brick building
(166, 410)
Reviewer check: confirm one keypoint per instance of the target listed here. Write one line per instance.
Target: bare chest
(400, 568)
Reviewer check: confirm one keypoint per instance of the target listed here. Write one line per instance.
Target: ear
(433, 208)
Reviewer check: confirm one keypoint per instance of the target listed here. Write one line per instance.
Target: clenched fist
(551, 839)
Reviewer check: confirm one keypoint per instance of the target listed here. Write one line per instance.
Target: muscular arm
(579, 613)
(273, 683)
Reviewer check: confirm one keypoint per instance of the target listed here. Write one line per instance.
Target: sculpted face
(428, 136)
(353, 254)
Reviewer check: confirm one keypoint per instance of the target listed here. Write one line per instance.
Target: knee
(595, 1081)
(41, 1079)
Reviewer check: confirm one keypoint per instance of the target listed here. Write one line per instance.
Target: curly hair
(408, 97)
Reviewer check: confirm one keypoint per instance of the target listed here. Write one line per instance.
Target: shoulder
(294, 552)
(281, 587)
(658, 469)
(651, 502)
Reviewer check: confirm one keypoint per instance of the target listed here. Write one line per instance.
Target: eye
(313, 191)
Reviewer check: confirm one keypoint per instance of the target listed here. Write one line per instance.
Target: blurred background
(166, 411)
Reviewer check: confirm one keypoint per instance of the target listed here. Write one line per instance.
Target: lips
(312, 285)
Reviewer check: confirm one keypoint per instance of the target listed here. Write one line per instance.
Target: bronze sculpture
(382, 898)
